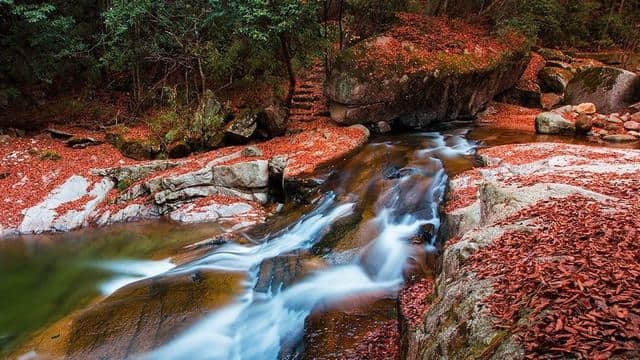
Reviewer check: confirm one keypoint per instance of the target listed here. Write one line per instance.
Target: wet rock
(586, 108)
(632, 125)
(555, 79)
(383, 127)
(166, 305)
(619, 138)
(251, 151)
(552, 123)
(550, 100)
(242, 128)
(610, 89)
(584, 123)
(178, 150)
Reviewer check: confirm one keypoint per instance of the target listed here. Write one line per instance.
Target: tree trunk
(286, 57)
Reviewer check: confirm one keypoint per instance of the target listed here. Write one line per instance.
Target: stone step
(302, 106)
(306, 99)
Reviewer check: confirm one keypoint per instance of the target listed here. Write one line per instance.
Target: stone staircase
(309, 102)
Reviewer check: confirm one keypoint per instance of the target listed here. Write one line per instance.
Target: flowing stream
(405, 183)
(374, 223)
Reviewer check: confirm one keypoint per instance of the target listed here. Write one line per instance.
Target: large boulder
(610, 89)
(555, 79)
(392, 76)
(273, 119)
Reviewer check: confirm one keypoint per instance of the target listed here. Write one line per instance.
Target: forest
(320, 179)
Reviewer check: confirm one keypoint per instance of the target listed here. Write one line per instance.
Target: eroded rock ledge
(542, 260)
(423, 70)
(233, 184)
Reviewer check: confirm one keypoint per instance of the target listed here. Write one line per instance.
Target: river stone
(251, 151)
(555, 79)
(552, 123)
(610, 89)
(358, 97)
(632, 125)
(586, 108)
(553, 55)
(584, 123)
(619, 138)
(251, 174)
(199, 177)
(134, 173)
(178, 150)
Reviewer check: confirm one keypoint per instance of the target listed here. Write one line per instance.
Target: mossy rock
(610, 89)
(133, 148)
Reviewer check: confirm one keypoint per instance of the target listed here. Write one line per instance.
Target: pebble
(614, 119)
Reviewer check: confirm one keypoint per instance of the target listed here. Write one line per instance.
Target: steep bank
(542, 252)
(424, 70)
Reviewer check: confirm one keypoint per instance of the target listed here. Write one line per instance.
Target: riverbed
(310, 284)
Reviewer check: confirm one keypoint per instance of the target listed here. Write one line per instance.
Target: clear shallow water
(354, 242)
(43, 278)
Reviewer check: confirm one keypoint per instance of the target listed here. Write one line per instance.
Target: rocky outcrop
(462, 322)
(610, 89)
(369, 85)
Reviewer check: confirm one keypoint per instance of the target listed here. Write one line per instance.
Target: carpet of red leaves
(569, 288)
(414, 300)
(508, 116)
(30, 179)
(420, 43)
(529, 79)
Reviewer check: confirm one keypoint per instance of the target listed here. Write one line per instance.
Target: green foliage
(574, 22)
(371, 16)
(36, 39)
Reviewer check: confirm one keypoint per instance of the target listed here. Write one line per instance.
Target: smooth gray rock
(552, 123)
(251, 174)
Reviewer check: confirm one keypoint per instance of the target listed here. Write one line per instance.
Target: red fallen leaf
(559, 325)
